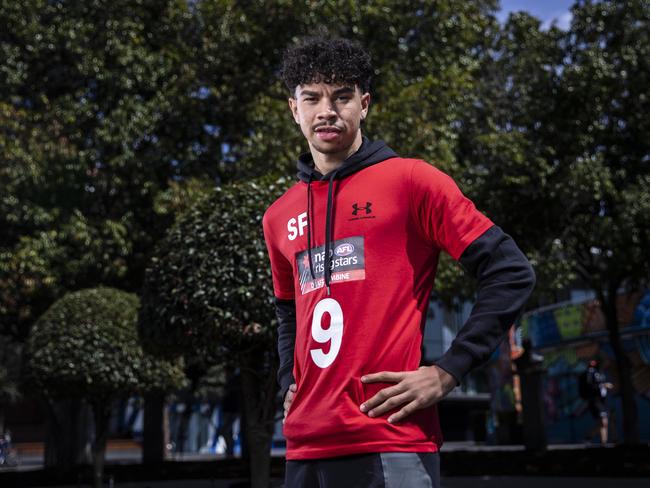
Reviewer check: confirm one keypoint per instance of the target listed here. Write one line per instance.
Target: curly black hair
(329, 60)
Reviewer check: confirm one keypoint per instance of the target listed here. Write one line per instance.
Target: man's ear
(293, 105)
(365, 105)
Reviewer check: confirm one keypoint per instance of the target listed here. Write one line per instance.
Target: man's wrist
(447, 380)
(457, 362)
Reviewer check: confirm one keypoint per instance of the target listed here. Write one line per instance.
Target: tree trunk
(184, 426)
(68, 433)
(258, 390)
(153, 445)
(626, 389)
(102, 415)
(243, 428)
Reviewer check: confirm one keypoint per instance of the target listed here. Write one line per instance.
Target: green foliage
(427, 73)
(86, 345)
(42, 266)
(180, 196)
(208, 297)
(93, 97)
(8, 387)
(606, 141)
(109, 109)
(117, 116)
(208, 289)
(507, 162)
(10, 368)
(557, 148)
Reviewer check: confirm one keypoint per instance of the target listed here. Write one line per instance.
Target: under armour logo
(356, 208)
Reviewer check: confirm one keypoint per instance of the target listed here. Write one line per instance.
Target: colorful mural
(568, 336)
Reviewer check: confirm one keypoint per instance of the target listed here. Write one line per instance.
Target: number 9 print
(334, 333)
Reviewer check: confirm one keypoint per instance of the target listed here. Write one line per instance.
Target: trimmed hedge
(208, 290)
(86, 345)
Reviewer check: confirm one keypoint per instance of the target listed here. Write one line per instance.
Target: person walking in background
(593, 388)
(354, 247)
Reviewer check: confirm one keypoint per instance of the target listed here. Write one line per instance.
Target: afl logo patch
(344, 249)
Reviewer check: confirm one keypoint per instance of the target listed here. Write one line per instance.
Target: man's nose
(327, 110)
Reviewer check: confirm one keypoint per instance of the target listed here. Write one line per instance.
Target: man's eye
(344, 99)
(310, 99)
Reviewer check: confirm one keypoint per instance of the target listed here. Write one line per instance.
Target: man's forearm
(285, 311)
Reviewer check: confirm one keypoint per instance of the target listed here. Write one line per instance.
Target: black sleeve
(505, 281)
(285, 310)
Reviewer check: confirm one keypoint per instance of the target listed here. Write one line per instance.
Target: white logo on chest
(296, 227)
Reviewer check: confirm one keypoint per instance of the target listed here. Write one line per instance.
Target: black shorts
(376, 470)
(597, 408)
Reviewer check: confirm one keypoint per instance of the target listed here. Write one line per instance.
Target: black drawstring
(328, 232)
(311, 268)
(327, 272)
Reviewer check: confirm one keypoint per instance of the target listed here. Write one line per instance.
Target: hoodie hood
(369, 153)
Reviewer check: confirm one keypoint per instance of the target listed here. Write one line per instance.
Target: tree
(93, 104)
(207, 296)
(507, 153)
(10, 355)
(606, 136)
(103, 105)
(559, 148)
(86, 346)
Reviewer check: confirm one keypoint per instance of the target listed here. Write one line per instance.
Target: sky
(546, 10)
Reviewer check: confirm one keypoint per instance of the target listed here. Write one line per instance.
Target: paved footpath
(31, 460)
(470, 482)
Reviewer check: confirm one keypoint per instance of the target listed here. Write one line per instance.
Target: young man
(354, 247)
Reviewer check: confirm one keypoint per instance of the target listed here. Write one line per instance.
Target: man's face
(329, 115)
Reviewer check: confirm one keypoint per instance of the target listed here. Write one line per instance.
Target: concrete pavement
(464, 466)
(460, 482)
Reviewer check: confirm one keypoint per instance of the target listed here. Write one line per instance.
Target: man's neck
(327, 162)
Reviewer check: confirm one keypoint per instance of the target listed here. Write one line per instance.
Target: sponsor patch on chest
(347, 263)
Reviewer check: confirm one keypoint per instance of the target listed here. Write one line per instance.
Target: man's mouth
(327, 133)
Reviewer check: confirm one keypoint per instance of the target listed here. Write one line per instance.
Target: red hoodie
(389, 220)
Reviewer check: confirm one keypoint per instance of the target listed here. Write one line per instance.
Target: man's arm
(505, 282)
(285, 311)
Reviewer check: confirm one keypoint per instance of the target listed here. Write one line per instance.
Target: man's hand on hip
(413, 390)
(288, 400)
